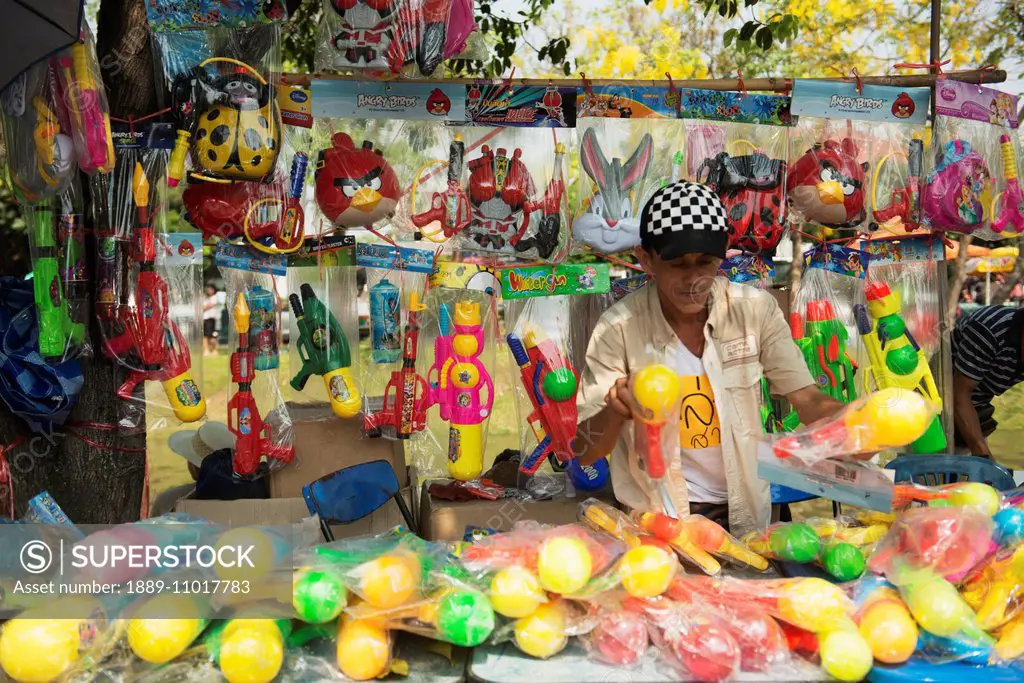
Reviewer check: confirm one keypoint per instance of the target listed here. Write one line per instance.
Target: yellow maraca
(388, 581)
(515, 592)
(251, 650)
(657, 391)
(564, 565)
(889, 418)
(647, 570)
(542, 634)
(164, 627)
(364, 648)
(36, 649)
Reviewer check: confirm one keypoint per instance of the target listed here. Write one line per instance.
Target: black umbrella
(31, 30)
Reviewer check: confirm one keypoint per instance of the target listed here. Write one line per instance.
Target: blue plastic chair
(937, 470)
(354, 492)
(784, 496)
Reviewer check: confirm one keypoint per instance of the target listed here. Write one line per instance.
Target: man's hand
(619, 400)
(811, 404)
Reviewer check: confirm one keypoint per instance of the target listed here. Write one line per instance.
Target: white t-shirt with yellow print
(700, 435)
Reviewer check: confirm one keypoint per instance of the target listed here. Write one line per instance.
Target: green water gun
(822, 340)
(772, 420)
(323, 349)
(55, 324)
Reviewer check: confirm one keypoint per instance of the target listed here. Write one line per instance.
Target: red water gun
(903, 202)
(409, 394)
(252, 436)
(450, 208)
(149, 333)
(551, 384)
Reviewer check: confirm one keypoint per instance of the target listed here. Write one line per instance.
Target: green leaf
(764, 38)
(723, 8)
(729, 36)
(747, 32)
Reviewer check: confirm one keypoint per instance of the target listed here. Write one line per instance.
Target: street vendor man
(721, 338)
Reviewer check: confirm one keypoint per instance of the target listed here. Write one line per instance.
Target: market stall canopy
(32, 30)
(998, 260)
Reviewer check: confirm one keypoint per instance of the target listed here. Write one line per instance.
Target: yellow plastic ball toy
(257, 548)
(656, 388)
(389, 580)
(977, 495)
(889, 630)
(515, 592)
(364, 649)
(646, 571)
(564, 565)
(251, 653)
(164, 628)
(465, 376)
(38, 650)
(814, 605)
(845, 655)
(937, 607)
(542, 634)
(890, 418)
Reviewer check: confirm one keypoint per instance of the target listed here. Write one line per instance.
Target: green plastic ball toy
(795, 542)
(465, 618)
(843, 561)
(902, 361)
(560, 384)
(318, 596)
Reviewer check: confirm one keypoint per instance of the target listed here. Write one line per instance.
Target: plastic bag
(972, 185)
(695, 641)
(994, 588)
(324, 327)
(947, 540)
(148, 289)
(658, 395)
(383, 38)
(620, 635)
(836, 546)
(257, 415)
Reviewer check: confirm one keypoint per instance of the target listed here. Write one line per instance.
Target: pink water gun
(1011, 211)
(86, 107)
(457, 379)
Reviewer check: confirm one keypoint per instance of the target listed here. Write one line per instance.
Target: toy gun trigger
(414, 303)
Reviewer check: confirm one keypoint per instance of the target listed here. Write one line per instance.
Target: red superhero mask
(492, 175)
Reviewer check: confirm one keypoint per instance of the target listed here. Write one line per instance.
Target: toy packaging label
(625, 102)
(840, 100)
(521, 106)
(370, 100)
(967, 101)
(296, 105)
(43, 509)
(177, 15)
(838, 259)
(328, 251)
(452, 275)
(747, 268)
(240, 257)
(627, 285)
(183, 249)
(568, 279)
(722, 105)
(394, 258)
(142, 136)
(904, 250)
(849, 482)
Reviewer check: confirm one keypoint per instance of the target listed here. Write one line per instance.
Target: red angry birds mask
(826, 185)
(355, 186)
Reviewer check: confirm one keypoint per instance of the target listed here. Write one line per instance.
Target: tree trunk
(94, 471)
(956, 280)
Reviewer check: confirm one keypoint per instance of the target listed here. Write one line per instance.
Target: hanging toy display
(952, 195)
(903, 209)
(80, 91)
(385, 322)
(611, 221)
(355, 186)
(826, 184)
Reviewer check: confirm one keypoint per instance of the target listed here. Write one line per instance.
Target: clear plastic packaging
(658, 394)
(695, 640)
(323, 337)
(409, 37)
(257, 414)
(885, 419)
(746, 166)
(972, 185)
(148, 290)
(837, 547)
(620, 171)
(896, 179)
(828, 176)
(947, 540)
(994, 588)
(620, 636)
(503, 193)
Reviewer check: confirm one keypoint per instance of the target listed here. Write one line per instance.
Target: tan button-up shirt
(747, 337)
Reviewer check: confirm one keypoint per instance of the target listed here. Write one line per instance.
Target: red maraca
(708, 651)
(620, 637)
(760, 638)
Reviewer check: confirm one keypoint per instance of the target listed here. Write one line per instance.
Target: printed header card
(838, 259)
(726, 105)
(183, 248)
(880, 103)
(458, 275)
(394, 258)
(400, 100)
(976, 103)
(568, 279)
(521, 106)
(628, 102)
(913, 248)
(327, 251)
(295, 104)
(179, 15)
(744, 268)
(241, 257)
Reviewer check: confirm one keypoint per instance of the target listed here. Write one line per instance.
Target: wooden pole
(773, 84)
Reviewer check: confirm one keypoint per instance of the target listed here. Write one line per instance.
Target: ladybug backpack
(752, 188)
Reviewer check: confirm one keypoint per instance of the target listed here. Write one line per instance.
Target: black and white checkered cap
(684, 218)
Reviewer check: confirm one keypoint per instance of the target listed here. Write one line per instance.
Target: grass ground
(168, 470)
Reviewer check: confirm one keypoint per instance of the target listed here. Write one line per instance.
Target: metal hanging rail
(773, 84)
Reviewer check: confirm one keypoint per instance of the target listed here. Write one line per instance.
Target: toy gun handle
(182, 391)
(176, 164)
(246, 458)
(298, 382)
(796, 326)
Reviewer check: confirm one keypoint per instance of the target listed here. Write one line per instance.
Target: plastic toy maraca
(542, 634)
(318, 595)
(646, 571)
(843, 561)
(672, 531)
(890, 418)
(164, 627)
(620, 637)
(262, 556)
(714, 539)
(978, 495)
(814, 604)
(364, 649)
(564, 565)
(888, 628)
(515, 592)
(251, 650)
(389, 580)
(464, 618)
(39, 650)
(795, 542)
(707, 650)
(1009, 525)
(936, 604)
(845, 655)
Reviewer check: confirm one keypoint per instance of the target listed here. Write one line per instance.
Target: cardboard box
(325, 443)
(445, 520)
(285, 511)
